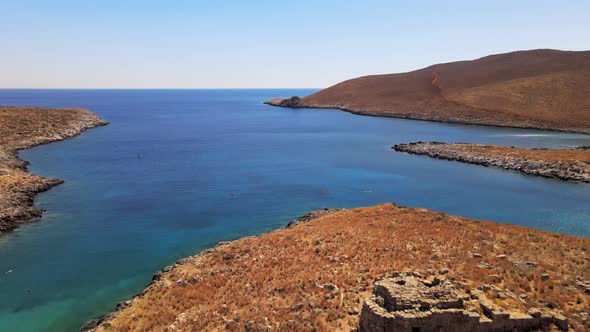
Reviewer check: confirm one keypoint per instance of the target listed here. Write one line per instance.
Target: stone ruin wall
(408, 303)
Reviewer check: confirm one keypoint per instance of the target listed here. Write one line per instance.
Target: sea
(177, 171)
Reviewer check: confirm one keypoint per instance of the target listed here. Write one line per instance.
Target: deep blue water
(218, 165)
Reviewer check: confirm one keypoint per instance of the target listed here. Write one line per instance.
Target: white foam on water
(543, 135)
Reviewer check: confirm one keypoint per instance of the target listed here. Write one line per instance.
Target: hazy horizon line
(300, 88)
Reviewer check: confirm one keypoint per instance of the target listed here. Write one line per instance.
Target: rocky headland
(337, 270)
(546, 89)
(21, 128)
(564, 164)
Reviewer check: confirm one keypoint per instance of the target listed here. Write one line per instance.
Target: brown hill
(546, 89)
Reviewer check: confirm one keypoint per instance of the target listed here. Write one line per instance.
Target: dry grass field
(314, 276)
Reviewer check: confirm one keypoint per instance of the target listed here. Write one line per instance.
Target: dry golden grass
(23, 127)
(314, 276)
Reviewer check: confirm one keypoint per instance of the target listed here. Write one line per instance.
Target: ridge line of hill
(536, 89)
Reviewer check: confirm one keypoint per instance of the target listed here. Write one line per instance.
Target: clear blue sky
(249, 44)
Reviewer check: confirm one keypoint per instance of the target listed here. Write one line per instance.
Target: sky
(264, 44)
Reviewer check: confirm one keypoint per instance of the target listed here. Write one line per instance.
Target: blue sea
(217, 165)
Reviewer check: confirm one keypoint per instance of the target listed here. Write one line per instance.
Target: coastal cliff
(21, 128)
(319, 273)
(545, 89)
(565, 164)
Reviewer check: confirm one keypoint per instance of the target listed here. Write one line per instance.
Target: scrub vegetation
(314, 276)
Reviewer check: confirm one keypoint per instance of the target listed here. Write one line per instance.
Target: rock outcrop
(409, 303)
(293, 102)
(21, 128)
(572, 164)
(311, 216)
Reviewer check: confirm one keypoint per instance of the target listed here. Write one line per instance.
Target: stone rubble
(408, 302)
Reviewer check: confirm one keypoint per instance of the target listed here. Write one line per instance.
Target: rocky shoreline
(569, 165)
(317, 274)
(22, 128)
(303, 104)
(98, 321)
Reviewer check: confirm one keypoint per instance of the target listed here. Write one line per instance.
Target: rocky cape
(544, 89)
(22, 128)
(564, 164)
(319, 274)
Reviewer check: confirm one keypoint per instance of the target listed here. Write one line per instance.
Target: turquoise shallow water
(218, 165)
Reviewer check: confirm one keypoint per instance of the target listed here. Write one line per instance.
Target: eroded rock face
(409, 303)
(291, 102)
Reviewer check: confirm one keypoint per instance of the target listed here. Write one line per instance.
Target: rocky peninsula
(21, 128)
(545, 89)
(565, 164)
(337, 270)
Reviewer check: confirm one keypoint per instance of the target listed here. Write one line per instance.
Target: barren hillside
(548, 89)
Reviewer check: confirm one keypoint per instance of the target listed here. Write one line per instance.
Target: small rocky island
(335, 270)
(21, 128)
(565, 164)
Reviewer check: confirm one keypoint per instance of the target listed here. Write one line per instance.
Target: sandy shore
(316, 274)
(21, 128)
(564, 164)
